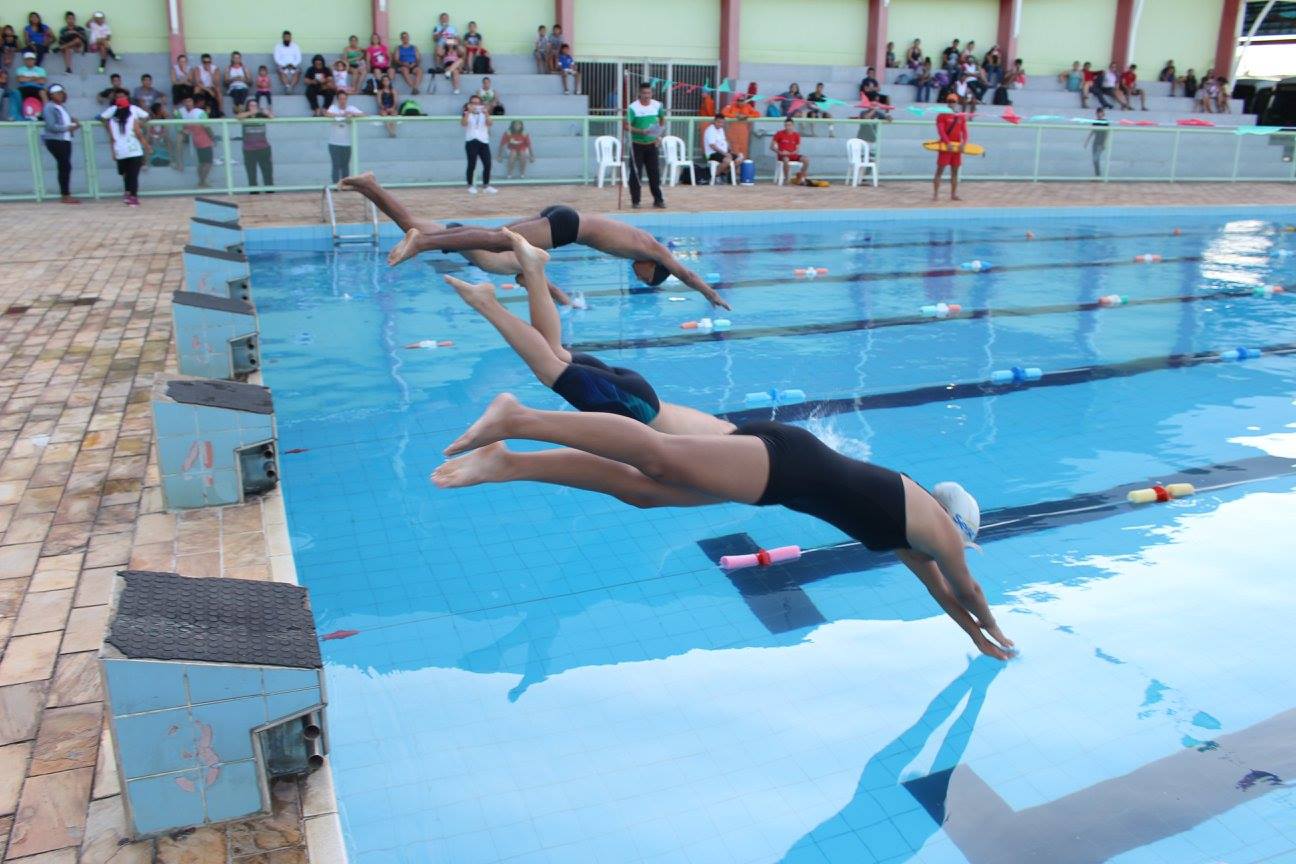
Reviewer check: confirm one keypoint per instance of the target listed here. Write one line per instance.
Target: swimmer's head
(962, 509)
(650, 272)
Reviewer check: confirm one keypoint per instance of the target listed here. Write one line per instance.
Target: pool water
(548, 675)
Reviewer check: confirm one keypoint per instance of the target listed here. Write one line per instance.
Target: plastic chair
(733, 171)
(673, 150)
(778, 171)
(860, 159)
(607, 152)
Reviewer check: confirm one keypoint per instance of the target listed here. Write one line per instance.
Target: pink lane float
(810, 272)
(762, 558)
(1109, 300)
(1147, 259)
(431, 343)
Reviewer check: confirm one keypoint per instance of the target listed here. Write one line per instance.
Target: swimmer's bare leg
(368, 186)
(564, 467)
(682, 420)
(536, 231)
(526, 340)
(544, 315)
(500, 263)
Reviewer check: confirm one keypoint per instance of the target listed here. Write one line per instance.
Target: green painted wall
(508, 25)
(1088, 29)
(936, 22)
(1184, 30)
(665, 29)
(138, 25)
(816, 32)
(217, 26)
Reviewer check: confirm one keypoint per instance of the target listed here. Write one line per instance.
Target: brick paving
(85, 326)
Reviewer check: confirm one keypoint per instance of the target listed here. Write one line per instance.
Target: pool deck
(85, 326)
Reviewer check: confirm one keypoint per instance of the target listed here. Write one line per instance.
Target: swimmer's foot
(361, 183)
(490, 427)
(475, 296)
(406, 248)
(524, 251)
(955, 198)
(489, 464)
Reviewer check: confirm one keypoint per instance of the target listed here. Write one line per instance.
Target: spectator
(490, 99)
(30, 78)
(517, 144)
(319, 86)
(950, 57)
(1222, 96)
(992, 67)
(1016, 78)
(1099, 87)
(740, 113)
(914, 56)
(870, 88)
(645, 121)
(385, 96)
(257, 155)
(1089, 83)
(38, 37)
(238, 80)
(965, 94)
(890, 56)
(715, 144)
(786, 146)
(1129, 87)
(262, 84)
(10, 109)
(72, 38)
(101, 42)
(476, 123)
(342, 77)
(159, 138)
(567, 69)
(1098, 137)
(555, 46)
(970, 50)
(975, 76)
(452, 63)
(743, 109)
(146, 95)
(1072, 79)
(288, 61)
(339, 140)
(473, 48)
(541, 50)
(409, 62)
(378, 56)
(353, 57)
(108, 95)
(794, 104)
(206, 80)
(923, 82)
(9, 48)
(442, 34)
(1189, 82)
(817, 98)
(57, 135)
(129, 144)
(201, 137)
(1169, 76)
(181, 80)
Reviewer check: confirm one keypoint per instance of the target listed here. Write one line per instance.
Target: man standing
(717, 148)
(288, 60)
(1098, 135)
(645, 120)
(953, 133)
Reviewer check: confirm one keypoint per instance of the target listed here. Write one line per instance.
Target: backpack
(773, 110)
(1001, 96)
(482, 65)
(410, 108)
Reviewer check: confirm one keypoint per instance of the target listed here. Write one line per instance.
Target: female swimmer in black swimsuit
(763, 463)
(584, 381)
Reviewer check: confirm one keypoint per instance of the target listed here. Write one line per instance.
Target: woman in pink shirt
(378, 56)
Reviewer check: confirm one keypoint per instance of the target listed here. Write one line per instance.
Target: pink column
(1226, 42)
(565, 14)
(875, 47)
(730, 12)
(1121, 33)
(1009, 24)
(381, 26)
(175, 27)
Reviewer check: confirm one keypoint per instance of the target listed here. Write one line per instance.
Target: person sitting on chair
(717, 149)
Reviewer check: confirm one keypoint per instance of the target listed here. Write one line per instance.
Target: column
(730, 12)
(565, 14)
(875, 48)
(175, 27)
(1226, 42)
(381, 26)
(1124, 23)
(1009, 25)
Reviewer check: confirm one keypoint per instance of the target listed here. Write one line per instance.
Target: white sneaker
(491, 190)
(472, 190)
(456, 92)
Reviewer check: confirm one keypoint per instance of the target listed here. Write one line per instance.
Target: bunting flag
(1044, 118)
(916, 111)
(724, 86)
(1193, 121)
(1139, 123)
(1010, 116)
(1256, 130)
(866, 104)
(1084, 120)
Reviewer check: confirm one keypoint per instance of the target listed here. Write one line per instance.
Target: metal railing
(427, 151)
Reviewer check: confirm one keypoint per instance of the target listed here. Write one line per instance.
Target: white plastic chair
(607, 152)
(779, 179)
(673, 149)
(733, 171)
(860, 159)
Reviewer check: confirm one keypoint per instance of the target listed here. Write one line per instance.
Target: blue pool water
(547, 675)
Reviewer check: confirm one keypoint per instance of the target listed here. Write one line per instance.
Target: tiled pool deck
(85, 326)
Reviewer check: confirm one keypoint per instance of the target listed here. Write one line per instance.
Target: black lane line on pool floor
(677, 340)
(776, 595)
(976, 389)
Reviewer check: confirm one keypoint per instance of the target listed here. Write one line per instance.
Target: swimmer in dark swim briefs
(584, 381)
(763, 463)
(557, 225)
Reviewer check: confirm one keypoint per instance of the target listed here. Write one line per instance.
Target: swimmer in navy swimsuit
(763, 463)
(587, 383)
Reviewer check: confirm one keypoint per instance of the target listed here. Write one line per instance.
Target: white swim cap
(961, 507)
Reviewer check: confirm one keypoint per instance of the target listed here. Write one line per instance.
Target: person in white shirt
(477, 122)
(339, 140)
(288, 60)
(129, 143)
(716, 146)
(101, 39)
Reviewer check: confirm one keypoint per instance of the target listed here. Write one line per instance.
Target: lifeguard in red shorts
(953, 132)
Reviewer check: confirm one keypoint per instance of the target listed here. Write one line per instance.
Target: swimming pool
(546, 675)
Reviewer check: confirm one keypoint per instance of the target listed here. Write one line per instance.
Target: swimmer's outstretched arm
(693, 280)
(368, 186)
(956, 604)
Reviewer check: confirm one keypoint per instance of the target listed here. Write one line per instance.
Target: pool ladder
(369, 238)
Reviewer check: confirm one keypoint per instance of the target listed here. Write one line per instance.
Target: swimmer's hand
(1001, 648)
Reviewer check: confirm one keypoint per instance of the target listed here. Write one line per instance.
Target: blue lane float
(713, 277)
(773, 398)
(1016, 375)
(1240, 353)
(976, 265)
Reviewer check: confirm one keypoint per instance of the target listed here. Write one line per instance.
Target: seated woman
(584, 381)
(1168, 74)
(515, 145)
(763, 463)
(914, 56)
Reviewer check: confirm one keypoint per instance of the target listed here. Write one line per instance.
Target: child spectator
(1189, 82)
(541, 50)
(288, 61)
(385, 96)
(257, 155)
(890, 56)
(320, 87)
(567, 69)
(159, 137)
(923, 82)
(1222, 96)
(516, 144)
(353, 57)
(378, 56)
(181, 80)
(38, 37)
(30, 78)
(490, 99)
(1088, 83)
(71, 39)
(146, 95)
(1072, 79)
(442, 34)
(786, 146)
(473, 48)
(238, 80)
(815, 99)
(342, 77)
(9, 48)
(1016, 78)
(108, 95)
(1129, 86)
(339, 139)
(200, 136)
(409, 63)
(1168, 75)
(262, 84)
(101, 42)
(206, 80)
(555, 46)
(452, 63)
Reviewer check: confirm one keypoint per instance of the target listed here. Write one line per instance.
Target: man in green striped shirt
(645, 120)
